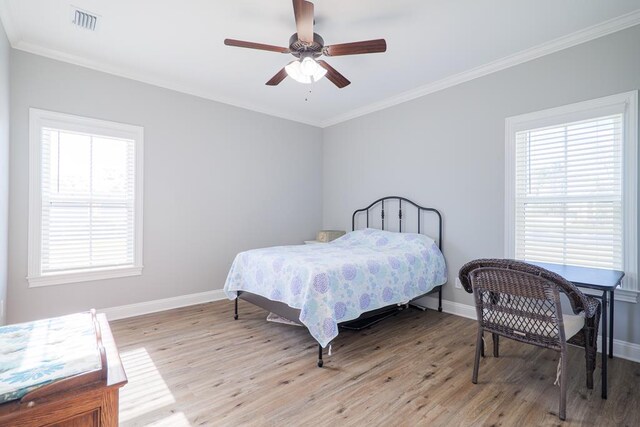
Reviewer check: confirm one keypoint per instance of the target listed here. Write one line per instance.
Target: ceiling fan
(307, 47)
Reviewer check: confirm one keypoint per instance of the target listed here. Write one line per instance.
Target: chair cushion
(572, 324)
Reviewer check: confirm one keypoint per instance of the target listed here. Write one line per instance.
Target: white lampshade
(305, 71)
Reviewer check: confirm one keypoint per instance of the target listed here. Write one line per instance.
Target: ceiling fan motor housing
(300, 49)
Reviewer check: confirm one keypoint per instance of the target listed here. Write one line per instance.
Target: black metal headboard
(400, 201)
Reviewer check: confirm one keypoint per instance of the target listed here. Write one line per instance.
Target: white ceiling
(179, 44)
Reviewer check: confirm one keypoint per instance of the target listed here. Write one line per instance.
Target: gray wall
(446, 149)
(4, 169)
(217, 180)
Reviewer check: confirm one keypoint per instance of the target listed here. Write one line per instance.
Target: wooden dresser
(85, 399)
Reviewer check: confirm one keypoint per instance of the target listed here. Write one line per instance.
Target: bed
(352, 282)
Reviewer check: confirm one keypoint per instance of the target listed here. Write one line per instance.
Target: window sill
(625, 295)
(82, 276)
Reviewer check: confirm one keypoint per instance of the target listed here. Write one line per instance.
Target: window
(85, 203)
(571, 177)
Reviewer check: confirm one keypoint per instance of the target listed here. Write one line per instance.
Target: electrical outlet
(458, 284)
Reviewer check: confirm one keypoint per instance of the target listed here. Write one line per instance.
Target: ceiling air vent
(85, 20)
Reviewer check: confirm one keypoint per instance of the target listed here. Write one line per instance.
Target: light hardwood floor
(197, 366)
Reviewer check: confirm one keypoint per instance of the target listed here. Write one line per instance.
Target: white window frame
(42, 118)
(627, 103)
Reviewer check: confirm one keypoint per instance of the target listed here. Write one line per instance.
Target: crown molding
(149, 78)
(587, 34)
(582, 36)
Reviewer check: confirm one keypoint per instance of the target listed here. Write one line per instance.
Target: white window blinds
(568, 193)
(85, 199)
(88, 201)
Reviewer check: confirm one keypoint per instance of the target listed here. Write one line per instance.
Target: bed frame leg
(440, 299)
(235, 316)
(320, 363)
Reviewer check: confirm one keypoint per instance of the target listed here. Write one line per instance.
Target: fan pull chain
(329, 353)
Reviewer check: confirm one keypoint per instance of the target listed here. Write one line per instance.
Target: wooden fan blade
(334, 76)
(303, 12)
(356, 48)
(259, 46)
(275, 80)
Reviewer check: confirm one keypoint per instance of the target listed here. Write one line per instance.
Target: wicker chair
(521, 301)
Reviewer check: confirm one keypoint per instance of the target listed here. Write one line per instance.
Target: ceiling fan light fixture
(308, 47)
(308, 66)
(305, 71)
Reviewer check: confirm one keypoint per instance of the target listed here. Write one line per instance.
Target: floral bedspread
(36, 353)
(338, 281)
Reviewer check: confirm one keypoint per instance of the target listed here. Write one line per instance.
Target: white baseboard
(451, 307)
(621, 349)
(131, 310)
(625, 350)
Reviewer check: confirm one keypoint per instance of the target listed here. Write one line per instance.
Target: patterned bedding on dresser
(36, 353)
(338, 281)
